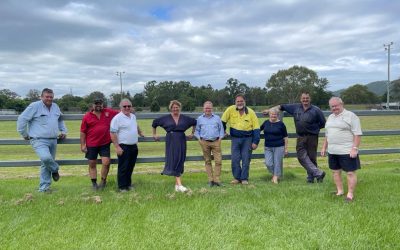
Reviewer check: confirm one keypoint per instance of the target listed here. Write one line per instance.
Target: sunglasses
(127, 106)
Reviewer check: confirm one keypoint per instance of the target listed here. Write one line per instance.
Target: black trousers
(126, 164)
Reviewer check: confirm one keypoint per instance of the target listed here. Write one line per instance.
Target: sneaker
(56, 176)
(123, 190)
(235, 181)
(245, 182)
(180, 188)
(95, 187)
(210, 183)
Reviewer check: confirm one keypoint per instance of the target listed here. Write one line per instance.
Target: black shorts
(345, 162)
(103, 151)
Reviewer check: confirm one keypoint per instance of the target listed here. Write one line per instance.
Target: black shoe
(218, 184)
(56, 176)
(321, 177)
(210, 183)
(95, 187)
(310, 179)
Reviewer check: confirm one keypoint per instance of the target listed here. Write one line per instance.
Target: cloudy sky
(77, 46)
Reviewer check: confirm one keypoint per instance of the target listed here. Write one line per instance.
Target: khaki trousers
(211, 149)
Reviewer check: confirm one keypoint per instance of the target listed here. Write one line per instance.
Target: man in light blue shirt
(210, 131)
(41, 122)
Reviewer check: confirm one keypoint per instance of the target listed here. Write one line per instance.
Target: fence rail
(26, 163)
(196, 114)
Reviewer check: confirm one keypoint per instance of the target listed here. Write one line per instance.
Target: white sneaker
(180, 188)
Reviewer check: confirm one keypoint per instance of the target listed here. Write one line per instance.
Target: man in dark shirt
(308, 120)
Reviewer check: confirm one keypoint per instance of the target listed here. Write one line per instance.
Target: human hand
(84, 148)
(286, 152)
(353, 152)
(254, 146)
(323, 152)
(62, 136)
(119, 150)
(26, 137)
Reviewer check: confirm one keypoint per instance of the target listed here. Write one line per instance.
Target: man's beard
(240, 107)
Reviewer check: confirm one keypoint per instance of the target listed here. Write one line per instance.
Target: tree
(287, 85)
(395, 90)
(257, 96)
(234, 87)
(70, 102)
(358, 94)
(33, 95)
(155, 106)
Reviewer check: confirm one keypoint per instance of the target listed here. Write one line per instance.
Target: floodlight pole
(119, 73)
(387, 47)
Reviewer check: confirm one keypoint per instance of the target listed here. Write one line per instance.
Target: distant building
(392, 105)
(8, 112)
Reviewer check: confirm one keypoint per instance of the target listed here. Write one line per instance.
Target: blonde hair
(174, 102)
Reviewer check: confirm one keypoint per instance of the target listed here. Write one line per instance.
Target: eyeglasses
(127, 106)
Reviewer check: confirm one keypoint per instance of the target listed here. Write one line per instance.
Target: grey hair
(335, 98)
(274, 110)
(125, 100)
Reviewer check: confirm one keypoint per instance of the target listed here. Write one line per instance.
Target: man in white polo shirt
(342, 139)
(124, 135)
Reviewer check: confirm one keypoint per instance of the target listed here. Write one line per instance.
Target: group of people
(42, 124)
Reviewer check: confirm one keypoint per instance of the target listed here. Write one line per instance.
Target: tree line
(285, 86)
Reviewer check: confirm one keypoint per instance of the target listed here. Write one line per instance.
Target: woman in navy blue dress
(175, 124)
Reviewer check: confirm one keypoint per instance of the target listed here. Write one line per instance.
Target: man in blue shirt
(308, 120)
(41, 122)
(210, 131)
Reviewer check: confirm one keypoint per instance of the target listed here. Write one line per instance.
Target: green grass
(291, 215)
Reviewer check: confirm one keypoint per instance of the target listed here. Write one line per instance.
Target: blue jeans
(241, 153)
(46, 150)
(274, 159)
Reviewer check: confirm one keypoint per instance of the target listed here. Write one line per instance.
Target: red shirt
(97, 130)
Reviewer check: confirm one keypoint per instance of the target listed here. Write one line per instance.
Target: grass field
(291, 215)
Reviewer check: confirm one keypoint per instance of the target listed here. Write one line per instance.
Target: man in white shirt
(342, 139)
(124, 133)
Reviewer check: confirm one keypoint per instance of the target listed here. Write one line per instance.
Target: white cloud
(80, 45)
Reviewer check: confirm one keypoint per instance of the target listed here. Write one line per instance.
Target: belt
(210, 140)
(35, 138)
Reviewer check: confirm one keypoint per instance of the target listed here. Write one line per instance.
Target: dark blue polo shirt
(307, 122)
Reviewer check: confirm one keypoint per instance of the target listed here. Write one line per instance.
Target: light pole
(119, 73)
(387, 47)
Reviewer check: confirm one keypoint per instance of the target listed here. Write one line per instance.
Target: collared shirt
(245, 125)
(38, 121)
(307, 122)
(340, 131)
(274, 133)
(126, 128)
(209, 127)
(97, 130)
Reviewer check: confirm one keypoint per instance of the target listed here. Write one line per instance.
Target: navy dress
(175, 142)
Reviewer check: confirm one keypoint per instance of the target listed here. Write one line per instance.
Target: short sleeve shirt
(340, 130)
